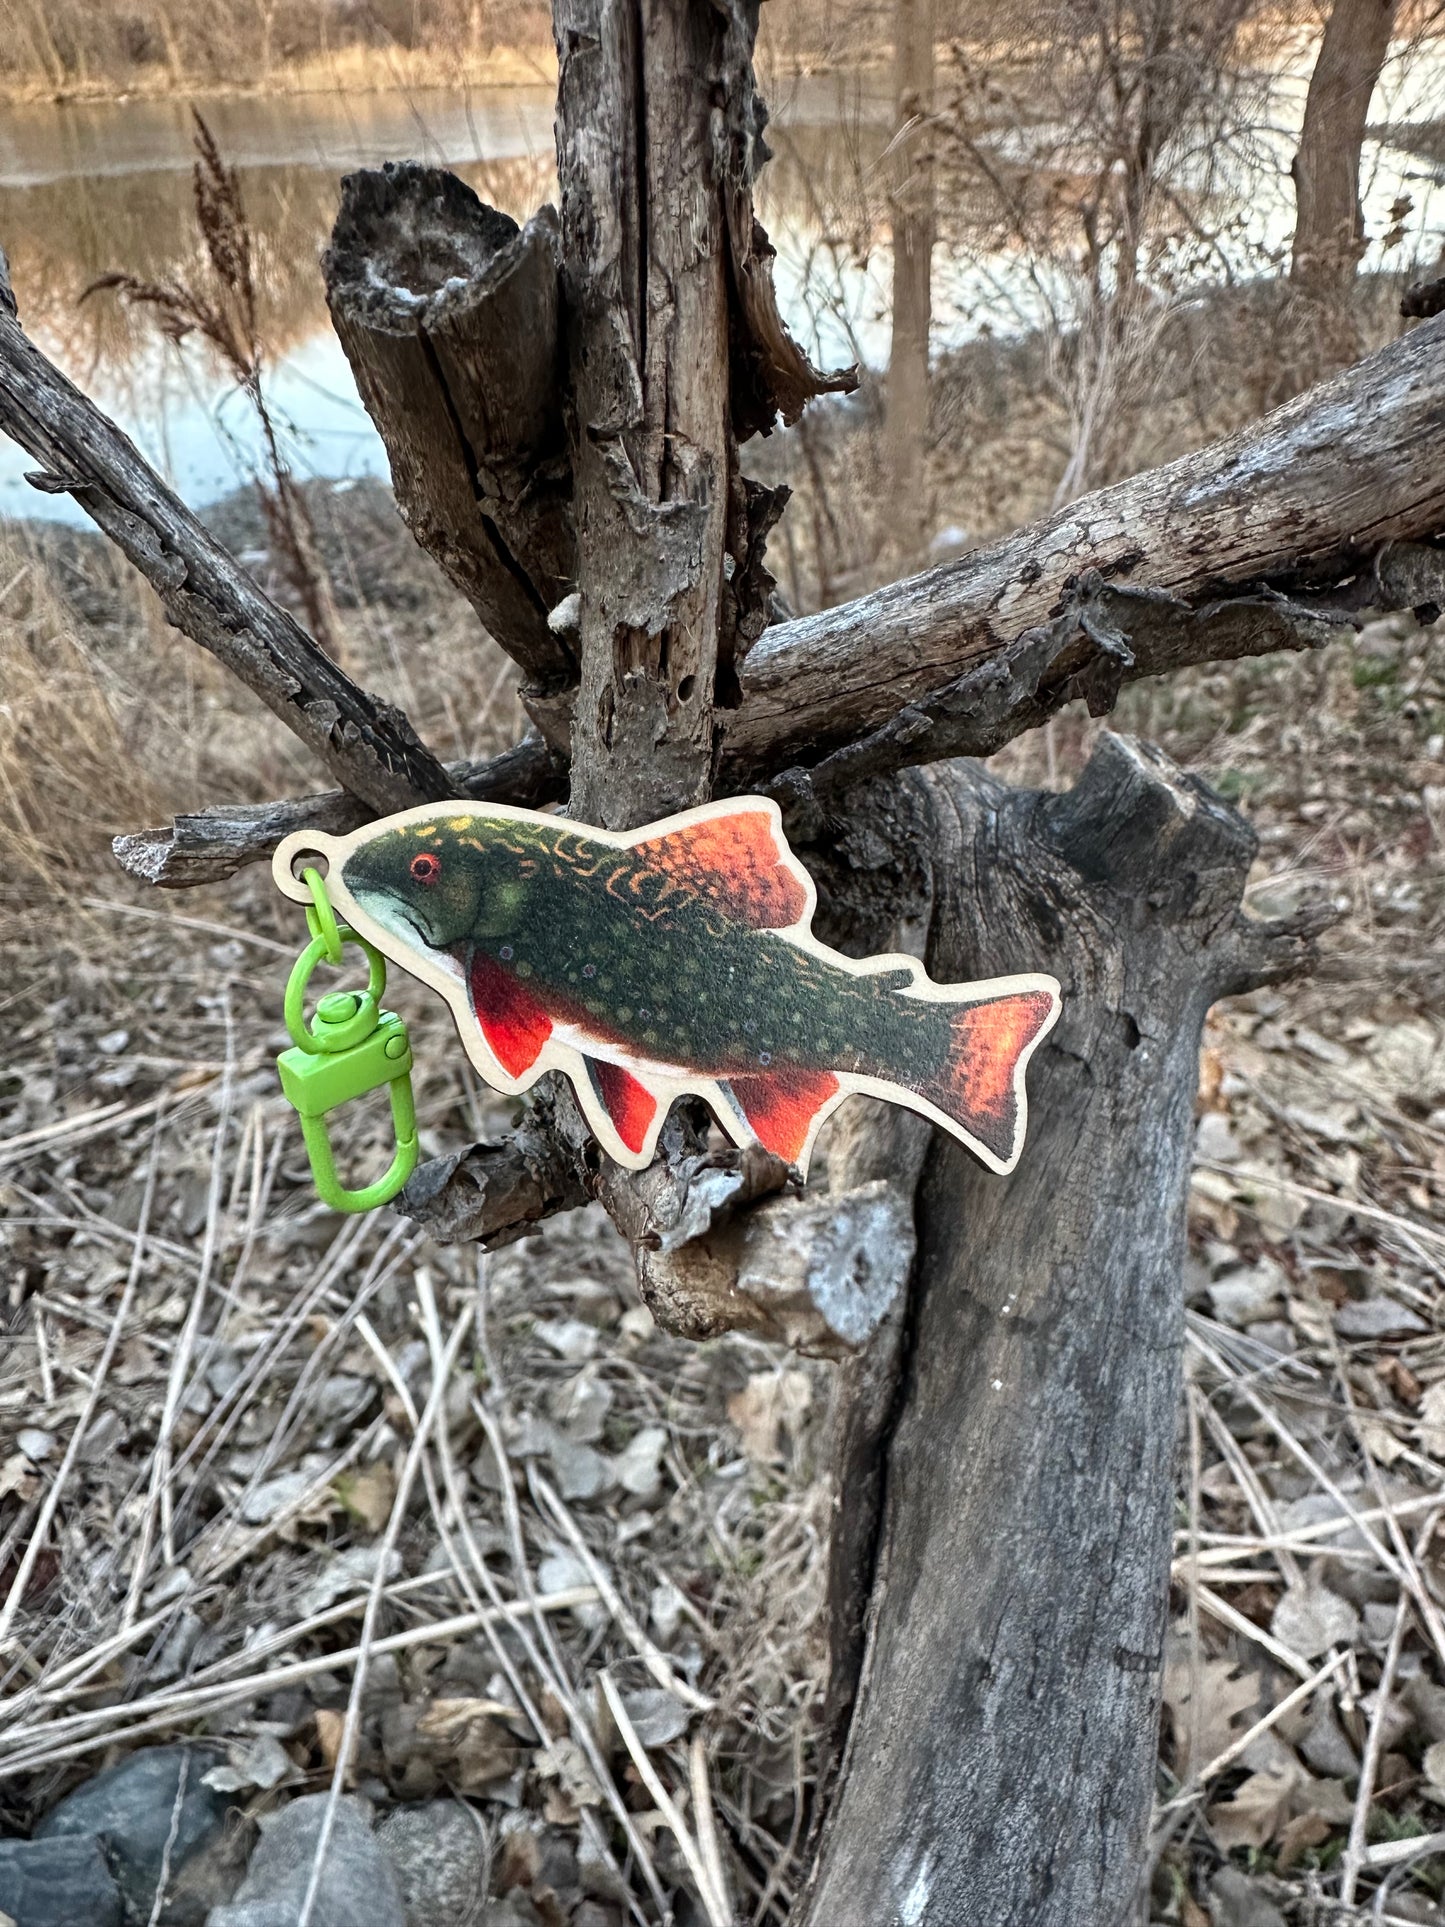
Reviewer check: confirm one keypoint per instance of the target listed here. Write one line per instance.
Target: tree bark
(999, 1765)
(912, 219)
(644, 272)
(1329, 235)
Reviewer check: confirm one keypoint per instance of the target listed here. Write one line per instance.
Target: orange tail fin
(981, 1086)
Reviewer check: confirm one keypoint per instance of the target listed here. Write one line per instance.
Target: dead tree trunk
(999, 1764)
(1329, 235)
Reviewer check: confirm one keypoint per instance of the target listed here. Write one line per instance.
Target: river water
(85, 189)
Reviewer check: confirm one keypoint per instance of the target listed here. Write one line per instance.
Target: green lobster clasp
(351, 1047)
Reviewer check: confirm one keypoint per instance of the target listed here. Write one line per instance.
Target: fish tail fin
(980, 1085)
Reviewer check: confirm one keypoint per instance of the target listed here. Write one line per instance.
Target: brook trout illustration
(678, 958)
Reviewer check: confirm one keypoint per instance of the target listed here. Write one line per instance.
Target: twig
(1357, 1846)
(714, 1905)
(351, 1726)
(191, 1702)
(21, 1581)
(164, 1878)
(707, 1839)
(651, 1655)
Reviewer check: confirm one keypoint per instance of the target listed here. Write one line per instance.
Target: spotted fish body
(676, 959)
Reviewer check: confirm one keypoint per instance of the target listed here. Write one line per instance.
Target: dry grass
(76, 50)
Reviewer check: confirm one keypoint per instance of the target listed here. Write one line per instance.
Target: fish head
(438, 884)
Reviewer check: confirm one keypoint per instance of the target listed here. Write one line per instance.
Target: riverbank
(347, 70)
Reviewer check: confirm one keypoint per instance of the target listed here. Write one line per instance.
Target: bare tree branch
(1309, 500)
(367, 744)
(1193, 563)
(210, 845)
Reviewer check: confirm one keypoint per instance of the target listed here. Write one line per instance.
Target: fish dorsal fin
(733, 860)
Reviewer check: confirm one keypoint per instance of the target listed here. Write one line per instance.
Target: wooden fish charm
(675, 958)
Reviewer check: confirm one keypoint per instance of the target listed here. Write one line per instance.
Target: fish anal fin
(780, 1107)
(511, 1018)
(734, 860)
(626, 1100)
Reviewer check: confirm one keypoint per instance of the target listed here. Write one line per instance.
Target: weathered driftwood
(1280, 538)
(448, 315)
(999, 1763)
(367, 744)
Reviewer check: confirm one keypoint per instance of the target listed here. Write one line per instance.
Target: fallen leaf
(467, 1737)
(368, 1495)
(262, 1762)
(1378, 1318)
(1431, 1429)
(769, 1404)
(1203, 1728)
(1309, 1619)
(330, 1726)
(1257, 1812)
(1306, 1830)
(639, 1465)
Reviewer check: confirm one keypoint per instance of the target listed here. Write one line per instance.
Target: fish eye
(426, 868)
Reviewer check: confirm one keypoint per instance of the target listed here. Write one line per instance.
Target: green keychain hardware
(351, 1047)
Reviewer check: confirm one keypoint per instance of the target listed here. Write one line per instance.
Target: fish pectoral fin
(733, 859)
(511, 1017)
(780, 1107)
(625, 1098)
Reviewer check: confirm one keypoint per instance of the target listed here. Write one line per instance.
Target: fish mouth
(400, 919)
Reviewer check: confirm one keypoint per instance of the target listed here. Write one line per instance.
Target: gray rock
(358, 1886)
(57, 1883)
(1246, 1296)
(1237, 1901)
(131, 1808)
(441, 1863)
(1325, 1746)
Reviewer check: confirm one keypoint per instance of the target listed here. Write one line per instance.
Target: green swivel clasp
(352, 1046)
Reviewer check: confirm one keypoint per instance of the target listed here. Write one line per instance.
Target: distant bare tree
(1329, 236)
(1097, 164)
(912, 219)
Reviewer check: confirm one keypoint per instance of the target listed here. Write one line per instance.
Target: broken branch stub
(1020, 1581)
(448, 315)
